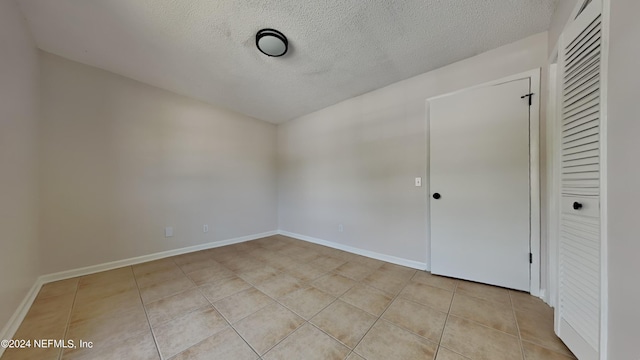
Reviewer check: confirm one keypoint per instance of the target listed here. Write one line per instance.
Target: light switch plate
(168, 232)
(418, 181)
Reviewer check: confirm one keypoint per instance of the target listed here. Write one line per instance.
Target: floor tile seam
(153, 334)
(485, 299)
(166, 296)
(455, 352)
(331, 336)
(278, 342)
(225, 319)
(68, 323)
(321, 310)
(379, 317)
(538, 344)
(446, 321)
(426, 305)
(513, 311)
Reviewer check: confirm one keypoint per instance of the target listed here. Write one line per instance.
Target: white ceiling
(205, 49)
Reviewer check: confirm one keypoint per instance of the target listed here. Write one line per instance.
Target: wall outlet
(340, 228)
(205, 228)
(418, 181)
(168, 231)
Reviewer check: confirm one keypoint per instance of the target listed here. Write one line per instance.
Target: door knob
(577, 206)
(436, 196)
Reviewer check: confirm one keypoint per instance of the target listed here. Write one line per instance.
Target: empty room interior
(281, 179)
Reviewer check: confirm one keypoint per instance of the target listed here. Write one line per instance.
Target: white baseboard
(388, 258)
(146, 258)
(14, 323)
(12, 326)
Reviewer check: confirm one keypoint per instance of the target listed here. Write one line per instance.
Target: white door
(479, 182)
(579, 251)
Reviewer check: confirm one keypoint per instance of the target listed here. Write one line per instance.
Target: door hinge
(530, 96)
(530, 258)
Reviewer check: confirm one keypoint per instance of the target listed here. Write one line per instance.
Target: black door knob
(577, 206)
(436, 196)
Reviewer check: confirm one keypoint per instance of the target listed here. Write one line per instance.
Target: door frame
(534, 169)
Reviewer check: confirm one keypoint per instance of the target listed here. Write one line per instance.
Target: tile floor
(280, 298)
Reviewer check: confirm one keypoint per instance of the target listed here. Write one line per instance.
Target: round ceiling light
(272, 42)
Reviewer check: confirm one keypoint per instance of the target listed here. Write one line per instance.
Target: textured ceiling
(205, 49)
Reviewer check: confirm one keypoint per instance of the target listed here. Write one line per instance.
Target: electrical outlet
(205, 228)
(418, 181)
(168, 231)
(340, 228)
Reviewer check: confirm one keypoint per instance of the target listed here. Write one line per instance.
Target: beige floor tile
(94, 307)
(327, 263)
(58, 288)
(369, 299)
(538, 328)
(446, 354)
(280, 285)
(436, 298)
(265, 328)
(51, 310)
(222, 288)
(386, 341)
(397, 270)
(334, 284)
(153, 266)
(419, 319)
(354, 271)
(225, 344)
(32, 353)
(441, 282)
(345, 322)
(482, 291)
(198, 264)
(181, 333)
(308, 343)
(140, 347)
(242, 304)
(106, 277)
(386, 282)
(259, 274)
(476, 341)
(108, 331)
(307, 302)
(492, 314)
(354, 356)
(535, 352)
(160, 290)
(98, 290)
(175, 306)
(366, 261)
(306, 272)
(525, 302)
(210, 274)
(237, 263)
(162, 275)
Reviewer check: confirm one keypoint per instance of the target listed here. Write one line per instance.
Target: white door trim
(534, 169)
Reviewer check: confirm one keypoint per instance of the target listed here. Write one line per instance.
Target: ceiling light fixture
(272, 42)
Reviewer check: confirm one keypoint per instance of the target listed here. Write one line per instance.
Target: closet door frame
(534, 169)
(555, 209)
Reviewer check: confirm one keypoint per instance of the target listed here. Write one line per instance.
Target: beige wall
(355, 162)
(121, 160)
(18, 160)
(623, 180)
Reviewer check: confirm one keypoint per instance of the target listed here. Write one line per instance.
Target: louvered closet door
(579, 250)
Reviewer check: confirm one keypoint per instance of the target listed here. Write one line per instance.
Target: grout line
(144, 308)
(515, 318)
(66, 330)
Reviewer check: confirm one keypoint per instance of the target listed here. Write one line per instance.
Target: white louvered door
(579, 286)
